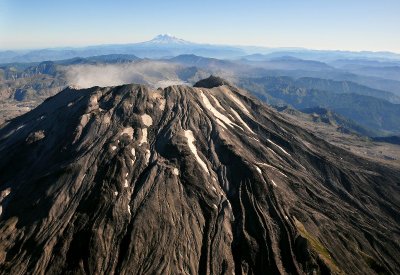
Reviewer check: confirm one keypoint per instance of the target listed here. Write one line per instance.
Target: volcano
(187, 180)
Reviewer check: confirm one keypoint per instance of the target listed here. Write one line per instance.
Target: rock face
(211, 82)
(181, 180)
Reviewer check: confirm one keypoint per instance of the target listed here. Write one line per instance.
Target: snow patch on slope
(242, 121)
(147, 156)
(3, 195)
(93, 103)
(144, 136)
(283, 150)
(147, 120)
(217, 102)
(273, 167)
(133, 156)
(128, 131)
(237, 101)
(190, 140)
(126, 180)
(215, 112)
(162, 104)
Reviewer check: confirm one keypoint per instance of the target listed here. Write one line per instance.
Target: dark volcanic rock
(129, 180)
(211, 82)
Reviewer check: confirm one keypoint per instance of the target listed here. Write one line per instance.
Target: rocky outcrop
(211, 82)
(181, 180)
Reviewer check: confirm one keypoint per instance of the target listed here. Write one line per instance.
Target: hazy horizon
(205, 43)
(340, 25)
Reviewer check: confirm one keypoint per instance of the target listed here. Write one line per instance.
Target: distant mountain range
(364, 105)
(338, 122)
(167, 46)
(159, 47)
(370, 102)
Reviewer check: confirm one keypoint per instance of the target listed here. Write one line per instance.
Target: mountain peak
(211, 82)
(129, 176)
(168, 39)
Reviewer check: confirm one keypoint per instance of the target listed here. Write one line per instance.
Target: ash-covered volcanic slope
(182, 180)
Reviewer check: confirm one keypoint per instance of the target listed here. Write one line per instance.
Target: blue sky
(319, 24)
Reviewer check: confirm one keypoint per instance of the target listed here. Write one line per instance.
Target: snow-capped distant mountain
(166, 45)
(164, 39)
(163, 45)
